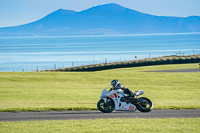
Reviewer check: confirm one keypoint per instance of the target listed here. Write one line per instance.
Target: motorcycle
(119, 101)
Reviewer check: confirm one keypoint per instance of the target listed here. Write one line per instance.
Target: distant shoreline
(174, 59)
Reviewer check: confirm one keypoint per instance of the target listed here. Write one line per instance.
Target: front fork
(105, 100)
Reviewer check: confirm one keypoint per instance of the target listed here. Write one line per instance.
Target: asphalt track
(74, 115)
(178, 71)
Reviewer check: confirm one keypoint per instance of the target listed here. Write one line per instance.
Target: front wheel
(144, 104)
(107, 107)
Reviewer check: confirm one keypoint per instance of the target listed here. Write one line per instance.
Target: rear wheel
(144, 104)
(107, 107)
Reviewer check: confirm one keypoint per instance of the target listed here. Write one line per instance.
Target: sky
(18, 12)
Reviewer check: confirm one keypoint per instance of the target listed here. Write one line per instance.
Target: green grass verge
(24, 91)
(183, 125)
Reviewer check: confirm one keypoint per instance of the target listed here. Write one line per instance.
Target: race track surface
(69, 115)
(178, 71)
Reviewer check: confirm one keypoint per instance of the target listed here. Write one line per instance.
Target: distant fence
(136, 63)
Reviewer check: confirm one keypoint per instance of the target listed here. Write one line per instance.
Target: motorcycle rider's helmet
(114, 83)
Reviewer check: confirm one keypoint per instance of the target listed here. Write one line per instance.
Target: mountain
(103, 19)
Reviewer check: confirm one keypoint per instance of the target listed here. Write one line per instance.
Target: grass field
(183, 125)
(81, 90)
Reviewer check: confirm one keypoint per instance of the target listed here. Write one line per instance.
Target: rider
(117, 85)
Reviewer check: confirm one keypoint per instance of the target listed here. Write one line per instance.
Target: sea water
(50, 52)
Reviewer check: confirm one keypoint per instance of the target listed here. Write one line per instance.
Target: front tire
(144, 104)
(107, 107)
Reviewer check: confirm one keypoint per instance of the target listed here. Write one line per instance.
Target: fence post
(135, 57)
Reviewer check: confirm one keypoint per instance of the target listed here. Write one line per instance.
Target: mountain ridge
(105, 19)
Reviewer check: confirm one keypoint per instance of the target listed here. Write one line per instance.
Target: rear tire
(144, 105)
(107, 107)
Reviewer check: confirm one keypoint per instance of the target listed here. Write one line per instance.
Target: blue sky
(17, 12)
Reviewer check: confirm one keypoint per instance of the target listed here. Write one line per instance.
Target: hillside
(135, 63)
(103, 20)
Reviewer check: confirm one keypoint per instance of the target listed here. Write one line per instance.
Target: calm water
(30, 53)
